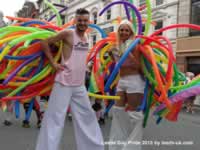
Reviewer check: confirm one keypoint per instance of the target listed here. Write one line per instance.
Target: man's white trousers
(87, 131)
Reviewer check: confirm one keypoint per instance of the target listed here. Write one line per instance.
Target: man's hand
(58, 67)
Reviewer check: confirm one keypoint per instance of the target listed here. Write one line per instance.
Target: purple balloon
(181, 96)
(137, 13)
(20, 67)
(127, 12)
(62, 10)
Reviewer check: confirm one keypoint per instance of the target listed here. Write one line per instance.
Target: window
(195, 19)
(108, 29)
(159, 25)
(94, 17)
(46, 17)
(142, 2)
(193, 64)
(143, 28)
(69, 1)
(62, 2)
(50, 13)
(63, 19)
(109, 14)
(159, 2)
(94, 39)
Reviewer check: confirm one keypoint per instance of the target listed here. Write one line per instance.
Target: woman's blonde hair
(130, 27)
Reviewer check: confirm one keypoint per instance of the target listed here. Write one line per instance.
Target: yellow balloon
(104, 96)
(161, 58)
(103, 51)
(4, 52)
(46, 89)
(9, 39)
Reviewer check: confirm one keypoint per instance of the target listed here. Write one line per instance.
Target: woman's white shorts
(131, 84)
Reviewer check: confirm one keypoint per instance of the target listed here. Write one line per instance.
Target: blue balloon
(28, 23)
(28, 114)
(101, 31)
(158, 120)
(94, 26)
(17, 109)
(121, 61)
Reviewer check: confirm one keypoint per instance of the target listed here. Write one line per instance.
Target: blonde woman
(126, 128)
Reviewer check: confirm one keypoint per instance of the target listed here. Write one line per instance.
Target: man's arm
(61, 36)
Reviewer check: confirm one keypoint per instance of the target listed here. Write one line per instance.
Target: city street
(181, 135)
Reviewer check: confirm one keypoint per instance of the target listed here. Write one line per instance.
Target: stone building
(30, 9)
(164, 13)
(2, 23)
(188, 47)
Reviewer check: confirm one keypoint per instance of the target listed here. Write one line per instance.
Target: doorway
(193, 65)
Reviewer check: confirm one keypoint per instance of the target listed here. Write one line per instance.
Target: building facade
(188, 48)
(164, 13)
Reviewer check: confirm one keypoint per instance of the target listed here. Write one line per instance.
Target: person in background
(88, 74)
(190, 101)
(31, 9)
(98, 108)
(8, 114)
(36, 108)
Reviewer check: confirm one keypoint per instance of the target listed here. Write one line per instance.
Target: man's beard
(80, 29)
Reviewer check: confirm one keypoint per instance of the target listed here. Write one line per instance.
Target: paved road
(166, 136)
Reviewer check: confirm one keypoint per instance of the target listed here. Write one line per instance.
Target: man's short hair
(82, 11)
